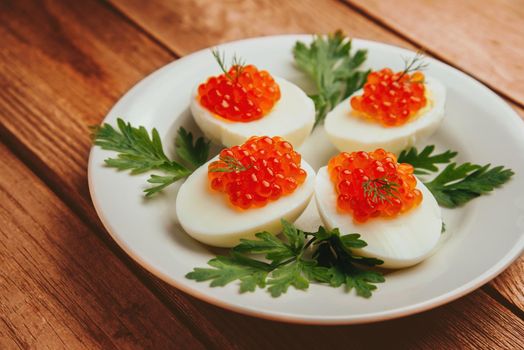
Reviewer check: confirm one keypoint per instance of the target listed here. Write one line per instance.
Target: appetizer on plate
(381, 199)
(245, 101)
(375, 211)
(393, 111)
(245, 190)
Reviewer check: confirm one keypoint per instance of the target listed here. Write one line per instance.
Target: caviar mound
(373, 184)
(261, 170)
(243, 94)
(391, 98)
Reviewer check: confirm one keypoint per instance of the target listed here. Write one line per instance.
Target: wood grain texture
(510, 284)
(49, 96)
(483, 38)
(61, 72)
(473, 322)
(187, 25)
(178, 27)
(60, 287)
(224, 21)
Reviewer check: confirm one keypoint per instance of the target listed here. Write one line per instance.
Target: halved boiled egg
(393, 111)
(244, 190)
(232, 107)
(371, 194)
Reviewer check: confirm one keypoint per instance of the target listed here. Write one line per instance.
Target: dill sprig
(232, 165)
(237, 64)
(380, 189)
(413, 64)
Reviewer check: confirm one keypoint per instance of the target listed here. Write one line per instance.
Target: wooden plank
(240, 20)
(482, 38)
(233, 21)
(187, 26)
(473, 322)
(36, 86)
(61, 72)
(510, 284)
(60, 286)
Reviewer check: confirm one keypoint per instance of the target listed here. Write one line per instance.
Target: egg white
(207, 215)
(400, 242)
(351, 133)
(292, 118)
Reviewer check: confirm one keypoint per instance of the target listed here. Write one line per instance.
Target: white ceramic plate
(481, 240)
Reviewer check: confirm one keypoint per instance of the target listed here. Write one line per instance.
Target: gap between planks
(496, 295)
(140, 29)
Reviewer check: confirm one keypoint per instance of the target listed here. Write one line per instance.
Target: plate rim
(512, 254)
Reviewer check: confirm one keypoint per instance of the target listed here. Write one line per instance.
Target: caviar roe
(240, 97)
(391, 98)
(267, 168)
(373, 184)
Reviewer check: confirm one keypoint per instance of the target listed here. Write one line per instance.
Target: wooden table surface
(66, 284)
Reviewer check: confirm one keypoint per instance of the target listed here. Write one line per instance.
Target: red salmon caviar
(391, 98)
(373, 184)
(243, 95)
(261, 170)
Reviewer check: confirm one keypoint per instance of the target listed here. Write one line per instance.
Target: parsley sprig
(139, 152)
(456, 184)
(329, 62)
(194, 153)
(291, 262)
(424, 162)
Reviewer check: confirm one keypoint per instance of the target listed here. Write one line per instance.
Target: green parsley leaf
(275, 249)
(194, 153)
(363, 281)
(425, 160)
(317, 273)
(161, 182)
(292, 265)
(334, 253)
(295, 237)
(457, 185)
(226, 269)
(329, 62)
(287, 275)
(139, 152)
